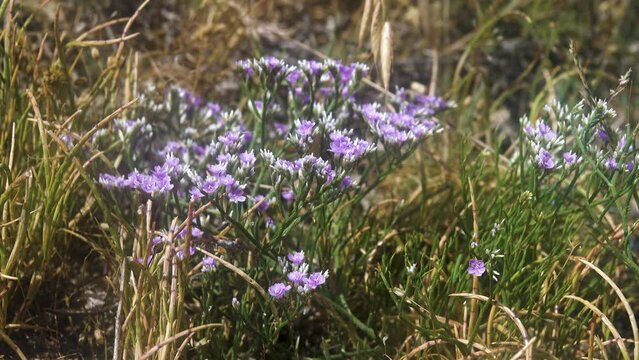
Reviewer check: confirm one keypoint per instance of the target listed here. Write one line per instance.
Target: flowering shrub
(302, 143)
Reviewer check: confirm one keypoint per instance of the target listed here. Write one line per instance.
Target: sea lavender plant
(303, 145)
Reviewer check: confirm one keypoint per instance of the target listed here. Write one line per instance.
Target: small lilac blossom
(545, 131)
(545, 160)
(304, 128)
(269, 222)
(347, 182)
(208, 264)
(247, 67)
(296, 277)
(570, 158)
(247, 159)
(293, 76)
(236, 193)
(611, 163)
(210, 186)
(315, 279)
(602, 134)
(279, 290)
(280, 128)
(296, 257)
(180, 253)
(476, 267)
(264, 205)
(621, 144)
(288, 195)
(218, 169)
(195, 232)
(196, 194)
(155, 242)
(143, 262)
(630, 166)
(225, 158)
(271, 63)
(231, 138)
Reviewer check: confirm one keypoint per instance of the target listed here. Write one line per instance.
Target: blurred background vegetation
(498, 60)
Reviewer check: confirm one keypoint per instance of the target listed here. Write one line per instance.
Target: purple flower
(328, 173)
(570, 158)
(611, 163)
(476, 267)
(545, 131)
(155, 242)
(135, 179)
(208, 263)
(278, 290)
(311, 67)
(180, 253)
(213, 108)
(143, 262)
(236, 193)
(347, 181)
(210, 186)
(272, 63)
(293, 76)
(247, 67)
(630, 166)
(296, 257)
(288, 195)
(280, 128)
(602, 134)
(621, 144)
(196, 194)
(218, 169)
(304, 128)
(107, 180)
(315, 279)
(296, 277)
(264, 205)
(159, 182)
(269, 222)
(195, 232)
(231, 138)
(545, 160)
(247, 158)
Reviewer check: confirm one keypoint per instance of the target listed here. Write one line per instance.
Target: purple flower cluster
(555, 148)
(348, 149)
(412, 123)
(296, 272)
(157, 182)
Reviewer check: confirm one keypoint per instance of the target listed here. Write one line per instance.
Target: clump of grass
(47, 190)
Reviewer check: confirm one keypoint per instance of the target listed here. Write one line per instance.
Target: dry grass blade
(386, 53)
(624, 301)
(366, 19)
(12, 345)
(421, 348)
(90, 43)
(186, 332)
(376, 31)
(511, 314)
(615, 333)
(524, 349)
